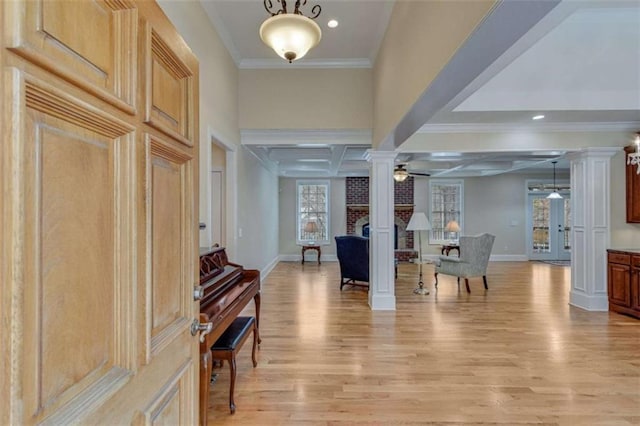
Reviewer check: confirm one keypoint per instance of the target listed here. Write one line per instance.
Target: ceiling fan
(400, 173)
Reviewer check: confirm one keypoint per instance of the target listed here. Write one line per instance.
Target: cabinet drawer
(625, 259)
(635, 260)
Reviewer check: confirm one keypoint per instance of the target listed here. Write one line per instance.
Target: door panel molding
(105, 66)
(69, 157)
(170, 273)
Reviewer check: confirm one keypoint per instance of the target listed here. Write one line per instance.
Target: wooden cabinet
(623, 281)
(633, 190)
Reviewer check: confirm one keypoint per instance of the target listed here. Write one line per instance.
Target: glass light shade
(290, 35)
(555, 195)
(400, 175)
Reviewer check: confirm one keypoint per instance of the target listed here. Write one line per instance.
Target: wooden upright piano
(227, 289)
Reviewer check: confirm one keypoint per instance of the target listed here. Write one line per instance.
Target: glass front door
(549, 228)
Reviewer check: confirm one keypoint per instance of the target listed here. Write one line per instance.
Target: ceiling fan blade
(419, 174)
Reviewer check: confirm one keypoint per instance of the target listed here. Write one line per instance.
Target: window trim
(451, 182)
(302, 182)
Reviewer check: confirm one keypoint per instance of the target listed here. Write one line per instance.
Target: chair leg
(458, 283)
(466, 282)
(436, 276)
(255, 344)
(484, 278)
(232, 367)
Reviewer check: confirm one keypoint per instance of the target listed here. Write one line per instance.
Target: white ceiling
(579, 66)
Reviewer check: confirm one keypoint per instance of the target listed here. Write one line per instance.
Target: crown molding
(277, 63)
(622, 126)
(220, 28)
(297, 137)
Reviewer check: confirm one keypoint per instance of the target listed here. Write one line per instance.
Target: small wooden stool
(227, 345)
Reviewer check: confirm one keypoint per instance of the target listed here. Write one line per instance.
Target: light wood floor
(515, 354)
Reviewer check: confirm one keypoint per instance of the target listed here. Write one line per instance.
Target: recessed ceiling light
(332, 23)
(537, 117)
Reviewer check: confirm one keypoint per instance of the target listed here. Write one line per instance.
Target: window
(313, 212)
(445, 201)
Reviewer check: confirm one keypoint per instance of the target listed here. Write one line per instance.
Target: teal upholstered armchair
(473, 260)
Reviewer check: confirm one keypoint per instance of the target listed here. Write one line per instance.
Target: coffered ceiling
(579, 66)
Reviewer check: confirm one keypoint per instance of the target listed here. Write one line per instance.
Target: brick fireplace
(357, 201)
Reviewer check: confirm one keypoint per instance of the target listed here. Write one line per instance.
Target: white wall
(257, 214)
(338, 219)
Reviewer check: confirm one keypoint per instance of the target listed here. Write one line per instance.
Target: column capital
(586, 153)
(372, 155)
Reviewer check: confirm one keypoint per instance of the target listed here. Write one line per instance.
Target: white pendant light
(555, 195)
(290, 35)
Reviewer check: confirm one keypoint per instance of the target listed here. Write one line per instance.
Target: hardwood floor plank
(515, 354)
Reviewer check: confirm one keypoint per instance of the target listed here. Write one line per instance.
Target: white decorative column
(590, 208)
(381, 231)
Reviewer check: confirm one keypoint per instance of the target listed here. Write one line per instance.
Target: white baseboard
(493, 258)
(264, 272)
(508, 258)
(298, 258)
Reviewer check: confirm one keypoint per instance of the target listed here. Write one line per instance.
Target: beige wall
(338, 218)
(306, 99)
(256, 195)
(420, 39)
(623, 234)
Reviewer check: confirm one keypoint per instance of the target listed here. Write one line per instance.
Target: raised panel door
(618, 284)
(99, 221)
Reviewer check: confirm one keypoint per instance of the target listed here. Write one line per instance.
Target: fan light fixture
(400, 174)
(555, 195)
(290, 35)
(633, 158)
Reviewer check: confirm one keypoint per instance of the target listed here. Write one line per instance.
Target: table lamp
(419, 222)
(310, 228)
(452, 228)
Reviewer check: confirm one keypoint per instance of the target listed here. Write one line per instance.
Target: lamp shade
(452, 226)
(418, 222)
(290, 35)
(311, 227)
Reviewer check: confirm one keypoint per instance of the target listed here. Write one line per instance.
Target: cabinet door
(635, 283)
(618, 283)
(633, 191)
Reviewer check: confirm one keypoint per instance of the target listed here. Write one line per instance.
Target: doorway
(218, 195)
(548, 227)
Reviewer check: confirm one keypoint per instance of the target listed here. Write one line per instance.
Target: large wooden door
(98, 215)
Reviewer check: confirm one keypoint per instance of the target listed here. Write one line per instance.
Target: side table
(313, 247)
(448, 247)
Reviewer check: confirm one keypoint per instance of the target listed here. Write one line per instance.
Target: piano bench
(227, 345)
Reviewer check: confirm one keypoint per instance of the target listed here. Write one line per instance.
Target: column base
(599, 303)
(380, 302)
